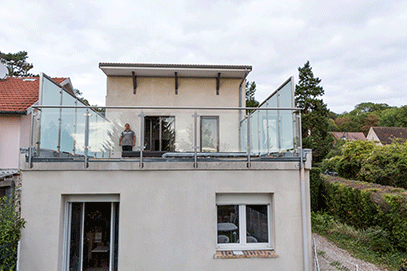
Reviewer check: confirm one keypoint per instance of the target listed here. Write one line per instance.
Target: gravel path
(331, 257)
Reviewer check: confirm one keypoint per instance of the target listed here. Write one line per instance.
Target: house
(17, 96)
(207, 187)
(386, 135)
(349, 135)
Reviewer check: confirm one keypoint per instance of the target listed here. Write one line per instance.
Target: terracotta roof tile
(17, 94)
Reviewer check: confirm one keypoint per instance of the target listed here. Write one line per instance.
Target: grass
(371, 245)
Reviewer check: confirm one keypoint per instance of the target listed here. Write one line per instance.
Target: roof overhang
(169, 70)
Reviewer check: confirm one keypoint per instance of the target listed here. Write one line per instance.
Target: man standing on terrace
(127, 139)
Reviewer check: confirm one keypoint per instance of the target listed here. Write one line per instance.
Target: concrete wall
(167, 217)
(14, 134)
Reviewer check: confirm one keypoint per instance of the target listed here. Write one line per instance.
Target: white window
(244, 221)
(91, 232)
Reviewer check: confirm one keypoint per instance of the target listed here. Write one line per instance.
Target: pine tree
(16, 63)
(314, 114)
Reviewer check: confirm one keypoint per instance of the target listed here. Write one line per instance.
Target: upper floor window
(209, 134)
(159, 133)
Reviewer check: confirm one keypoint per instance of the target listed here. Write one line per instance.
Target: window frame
(242, 200)
(113, 199)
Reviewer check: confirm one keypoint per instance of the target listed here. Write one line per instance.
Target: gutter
(14, 112)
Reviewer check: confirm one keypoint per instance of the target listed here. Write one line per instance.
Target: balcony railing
(64, 129)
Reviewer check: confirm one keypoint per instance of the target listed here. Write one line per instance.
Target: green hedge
(365, 205)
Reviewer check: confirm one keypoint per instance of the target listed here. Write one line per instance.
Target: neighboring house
(17, 96)
(386, 135)
(206, 187)
(349, 135)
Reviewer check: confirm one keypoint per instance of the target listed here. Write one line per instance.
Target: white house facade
(208, 186)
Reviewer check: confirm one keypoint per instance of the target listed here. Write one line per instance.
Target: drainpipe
(240, 103)
(303, 204)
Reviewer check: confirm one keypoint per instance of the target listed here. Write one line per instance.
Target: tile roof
(17, 94)
(350, 135)
(386, 134)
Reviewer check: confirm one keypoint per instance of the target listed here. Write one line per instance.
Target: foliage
(314, 114)
(315, 189)
(364, 205)
(78, 95)
(330, 164)
(250, 91)
(394, 117)
(16, 63)
(372, 245)
(10, 226)
(371, 120)
(386, 165)
(353, 154)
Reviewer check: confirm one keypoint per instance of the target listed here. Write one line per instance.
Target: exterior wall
(371, 136)
(159, 91)
(167, 217)
(10, 140)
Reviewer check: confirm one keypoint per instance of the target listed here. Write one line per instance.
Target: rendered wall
(159, 91)
(167, 218)
(10, 134)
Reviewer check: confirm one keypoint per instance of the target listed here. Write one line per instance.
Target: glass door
(92, 236)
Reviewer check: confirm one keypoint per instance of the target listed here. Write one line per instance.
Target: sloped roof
(350, 135)
(17, 94)
(386, 134)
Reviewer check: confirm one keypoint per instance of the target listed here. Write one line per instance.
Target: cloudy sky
(358, 48)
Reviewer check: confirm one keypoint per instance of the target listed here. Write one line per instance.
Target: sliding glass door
(91, 236)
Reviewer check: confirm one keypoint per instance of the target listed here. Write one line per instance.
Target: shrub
(366, 205)
(387, 165)
(354, 152)
(10, 225)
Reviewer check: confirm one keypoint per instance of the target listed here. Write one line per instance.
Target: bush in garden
(365, 205)
(10, 225)
(353, 154)
(387, 165)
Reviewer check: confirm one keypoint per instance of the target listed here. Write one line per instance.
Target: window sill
(231, 254)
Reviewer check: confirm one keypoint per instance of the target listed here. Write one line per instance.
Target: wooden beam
(217, 84)
(176, 83)
(134, 82)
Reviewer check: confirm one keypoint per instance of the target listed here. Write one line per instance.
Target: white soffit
(164, 70)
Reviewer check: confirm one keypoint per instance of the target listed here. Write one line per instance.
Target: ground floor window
(244, 221)
(91, 235)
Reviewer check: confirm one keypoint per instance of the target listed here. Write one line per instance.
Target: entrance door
(92, 236)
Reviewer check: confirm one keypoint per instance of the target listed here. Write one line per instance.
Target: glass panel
(51, 95)
(76, 243)
(96, 247)
(228, 224)
(209, 134)
(68, 123)
(257, 224)
(168, 133)
(286, 95)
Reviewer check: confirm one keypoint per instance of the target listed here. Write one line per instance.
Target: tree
(250, 91)
(16, 63)
(78, 95)
(314, 113)
(372, 120)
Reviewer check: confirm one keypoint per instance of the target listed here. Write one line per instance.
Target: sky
(357, 48)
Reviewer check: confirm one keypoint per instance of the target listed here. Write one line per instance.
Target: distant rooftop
(168, 70)
(386, 134)
(349, 135)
